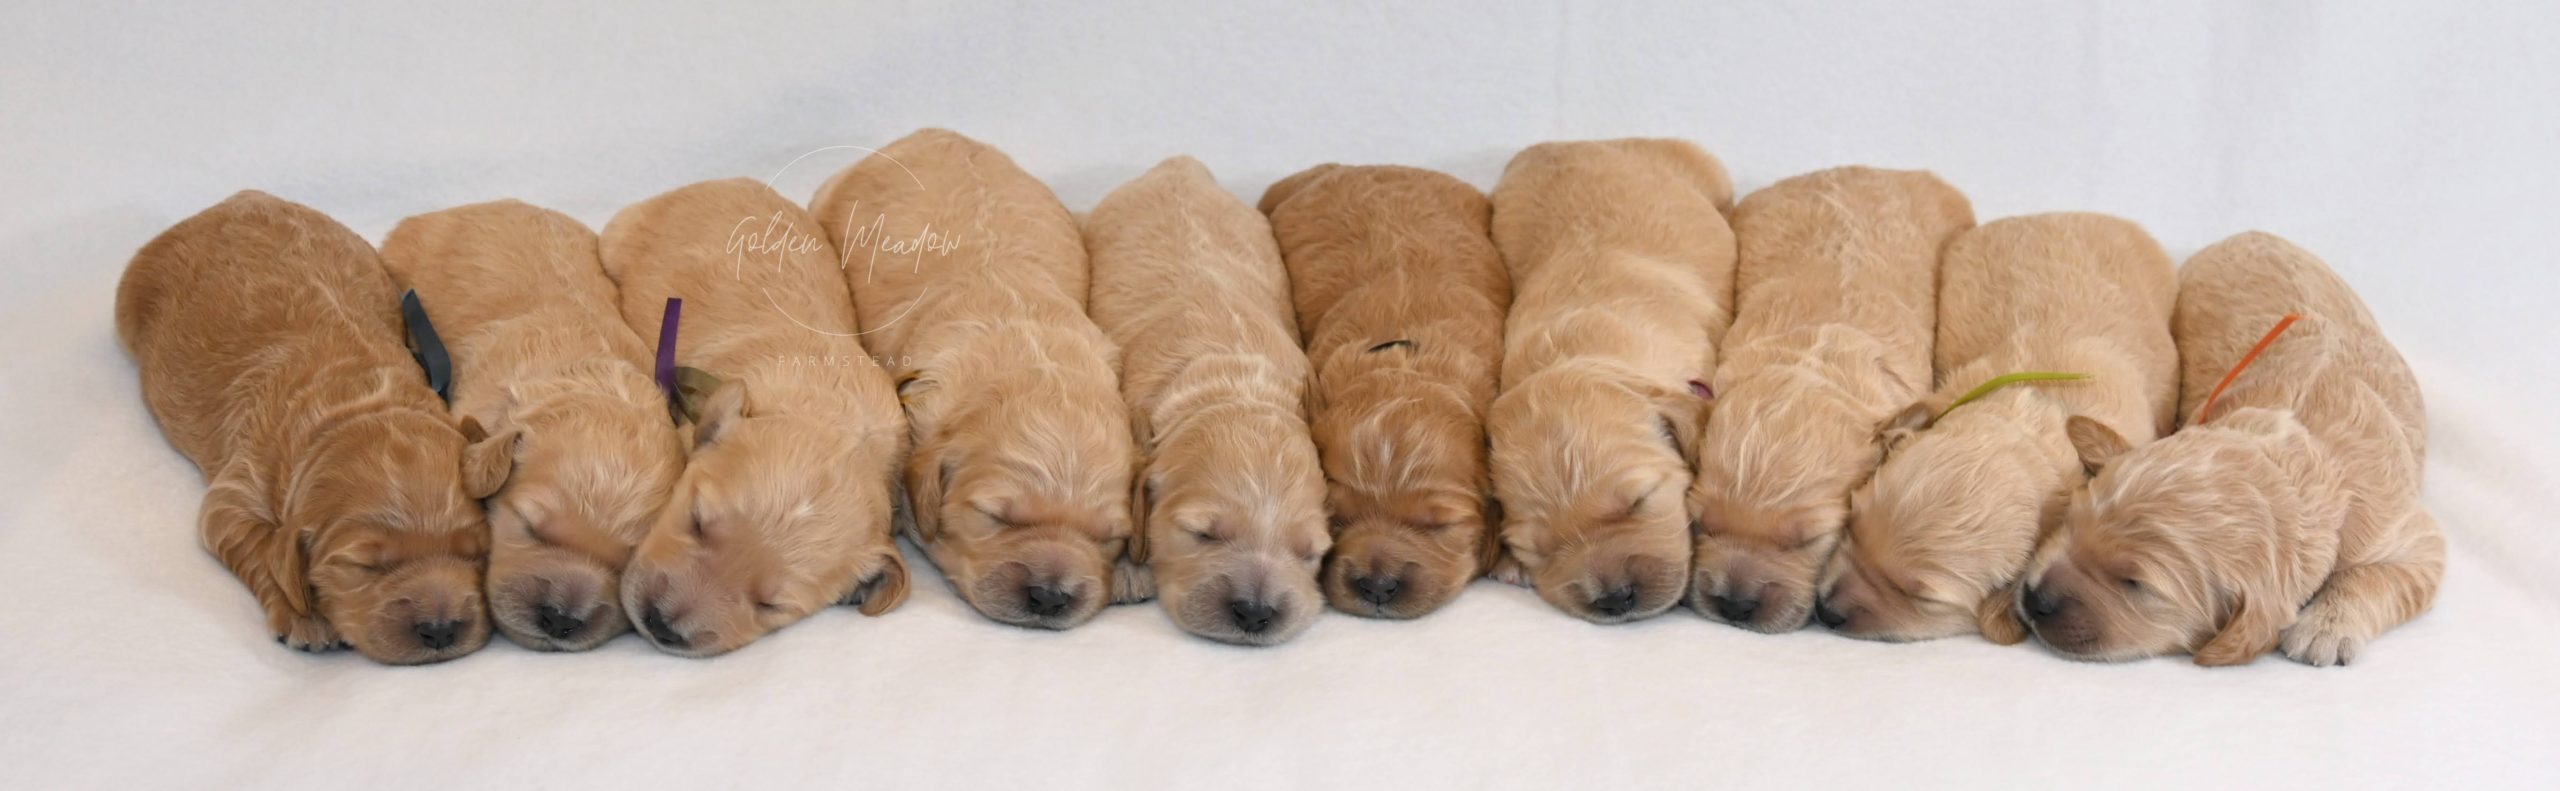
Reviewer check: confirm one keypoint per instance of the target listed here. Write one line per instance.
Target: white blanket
(2414, 147)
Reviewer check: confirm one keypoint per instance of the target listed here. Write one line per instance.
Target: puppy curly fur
(2288, 519)
(1938, 535)
(1837, 300)
(1624, 269)
(520, 297)
(971, 279)
(1229, 497)
(341, 492)
(785, 505)
(1400, 298)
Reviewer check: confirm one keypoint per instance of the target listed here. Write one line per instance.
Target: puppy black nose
(1252, 616)
(1829, 617)
(1735, 610)
(2041, 604)
(1377, 589)
(654, 622)
(1618, 601)
(556, 623)
(436, 635)
(1047, 601)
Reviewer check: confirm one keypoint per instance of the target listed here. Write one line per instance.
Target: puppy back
(2231, 293)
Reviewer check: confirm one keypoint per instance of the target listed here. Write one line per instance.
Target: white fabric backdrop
(2412, 145)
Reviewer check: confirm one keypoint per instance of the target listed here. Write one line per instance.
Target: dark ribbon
(667, 346)
(426, 347)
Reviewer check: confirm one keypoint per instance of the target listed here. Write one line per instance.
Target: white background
(2413, 145)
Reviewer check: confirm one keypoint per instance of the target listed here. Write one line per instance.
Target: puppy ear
(716, 415)
(1997, 616)
(1683, 411)
(2254, 629)
(1142, 498)
(1904, 425)
(886, 588)
(2098, 445)
(487, 461)
(926, 482)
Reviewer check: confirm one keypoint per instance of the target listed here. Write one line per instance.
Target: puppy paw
(1509, 571)
(307, 633)
(2321, 638)
(1132, 583)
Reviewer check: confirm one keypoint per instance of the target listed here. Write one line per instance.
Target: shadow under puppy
(1230, 498)
(1938, 536)
(785, 505)
(341, 492)
(2285, 514)
(1400, 298)
(1836, 294)
(1623, 267)
(971, 279)
(520, 297)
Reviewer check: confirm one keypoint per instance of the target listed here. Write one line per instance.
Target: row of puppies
(1395, 290)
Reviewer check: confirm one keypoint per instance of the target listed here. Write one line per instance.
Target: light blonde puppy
(1229, 496)
(2286, 518)
(342, 493)
(1400, 299)
(1624, 270)
(786, 502)
(538, 345)
(972, 278)
(1836, 299)
(1938, 535)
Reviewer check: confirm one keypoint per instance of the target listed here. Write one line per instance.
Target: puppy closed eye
(1205, 537)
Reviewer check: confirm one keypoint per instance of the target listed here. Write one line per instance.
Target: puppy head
(1591, 469)
(1233, 515)
(592, 472)
(1772, 497)
(774, 518)
(389, 510)
(2176, 546)
(1940, 531)
(1405, 457)
(1023, 502)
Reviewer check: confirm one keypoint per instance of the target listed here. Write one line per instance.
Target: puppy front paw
(1132, 583)
(307, 633)
(2321, 637)
(1508, 570)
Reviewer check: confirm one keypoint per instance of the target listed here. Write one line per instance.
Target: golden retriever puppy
(1836, 304)
(971, 278)
(2285, 514)
(341, 492)
(785, 505)
(1938, 535)
(1400, 298)
(520, 297)
(1624, 270)
(1230, 498)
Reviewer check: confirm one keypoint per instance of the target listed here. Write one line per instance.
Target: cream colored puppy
(1939, 534)
(520, 298)
(2285, 516)
(1400, 297)
(1230, 498)
(341, 492)
(971, 277)
(1836, 293)
(785, 504)
(1623, 269)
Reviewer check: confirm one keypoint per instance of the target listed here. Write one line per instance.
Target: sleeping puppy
(1836, 293)
(1400, 299)
(2283, 515)
(342, 493)
(1230, 499)
(785, 504)
(521, 300)
(1937, 537)
(971, 278)
(1624, 270)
